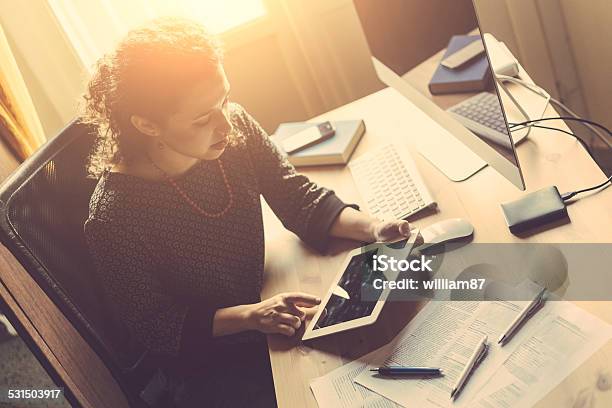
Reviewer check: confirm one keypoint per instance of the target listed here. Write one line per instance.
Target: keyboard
(482, 114)
(390, 184)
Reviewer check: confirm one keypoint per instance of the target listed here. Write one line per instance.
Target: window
(94, 26)
(220, 16)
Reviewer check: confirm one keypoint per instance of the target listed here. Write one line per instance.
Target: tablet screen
(345, 302)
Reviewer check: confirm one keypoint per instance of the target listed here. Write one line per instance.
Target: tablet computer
(342, 308)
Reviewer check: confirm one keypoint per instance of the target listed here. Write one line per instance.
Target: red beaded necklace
(188, 199)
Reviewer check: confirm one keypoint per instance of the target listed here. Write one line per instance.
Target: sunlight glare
(220, 16)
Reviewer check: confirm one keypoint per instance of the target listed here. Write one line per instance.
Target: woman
(175, 223)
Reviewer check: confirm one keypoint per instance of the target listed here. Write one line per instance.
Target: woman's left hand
(390, 231)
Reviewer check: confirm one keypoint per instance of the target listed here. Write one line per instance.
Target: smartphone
(308, 137)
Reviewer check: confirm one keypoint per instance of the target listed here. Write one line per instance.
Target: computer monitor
(405, 34)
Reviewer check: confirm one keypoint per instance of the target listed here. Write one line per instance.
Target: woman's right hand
(282, 313)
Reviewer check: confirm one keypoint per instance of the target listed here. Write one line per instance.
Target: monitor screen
(436, 46)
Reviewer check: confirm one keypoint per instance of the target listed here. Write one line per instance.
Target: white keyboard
(390, 183)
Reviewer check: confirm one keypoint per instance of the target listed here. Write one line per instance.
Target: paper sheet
(444, 334)
(563, 340)
(338, 389)
(546, 349)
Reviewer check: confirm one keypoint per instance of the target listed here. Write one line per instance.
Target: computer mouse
(444, 231)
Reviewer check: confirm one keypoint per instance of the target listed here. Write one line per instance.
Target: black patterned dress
(165, 269)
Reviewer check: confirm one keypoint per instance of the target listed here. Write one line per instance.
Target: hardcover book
(335, 150)
(473, 76)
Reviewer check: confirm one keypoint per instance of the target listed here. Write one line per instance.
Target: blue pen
(397, 370)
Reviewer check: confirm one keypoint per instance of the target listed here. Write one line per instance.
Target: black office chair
(43, 206)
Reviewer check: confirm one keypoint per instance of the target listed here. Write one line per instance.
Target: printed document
(563, 340)
(338, 389)
(444, 334)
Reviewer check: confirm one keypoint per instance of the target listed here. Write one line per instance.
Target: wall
(388, 20)
(589, 30)
(304, 59)
(563, 44)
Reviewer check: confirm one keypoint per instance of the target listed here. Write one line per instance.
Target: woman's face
(200, 126)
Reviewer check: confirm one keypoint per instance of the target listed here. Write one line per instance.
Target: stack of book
(335, 150)
(473, 76)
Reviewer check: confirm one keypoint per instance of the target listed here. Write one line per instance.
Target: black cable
(571, 194)
(589, 127)
(590, 122)
(582, 142)
(567, 196)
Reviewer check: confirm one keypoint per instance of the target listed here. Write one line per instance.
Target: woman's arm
(355, 225)
(281, 314)
(162, 323)
(230, 320)
(360, 226)
(310, 211)
(303, 207)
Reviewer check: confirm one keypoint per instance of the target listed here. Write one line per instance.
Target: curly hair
(146, 74)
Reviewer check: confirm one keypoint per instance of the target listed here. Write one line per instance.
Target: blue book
(473, 76)
(335, 150)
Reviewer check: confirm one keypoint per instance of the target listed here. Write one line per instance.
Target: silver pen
(525, 313)
(474, 360)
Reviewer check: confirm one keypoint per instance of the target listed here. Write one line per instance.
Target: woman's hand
(390, 231)
(282, 313)
(360, 226)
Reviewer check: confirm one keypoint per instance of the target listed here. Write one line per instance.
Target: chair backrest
(43, 206)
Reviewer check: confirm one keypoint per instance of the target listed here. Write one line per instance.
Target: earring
(160, 145)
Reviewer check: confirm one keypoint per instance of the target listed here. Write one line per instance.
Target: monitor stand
(442, 148)
(451, 148)
(454, 159)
